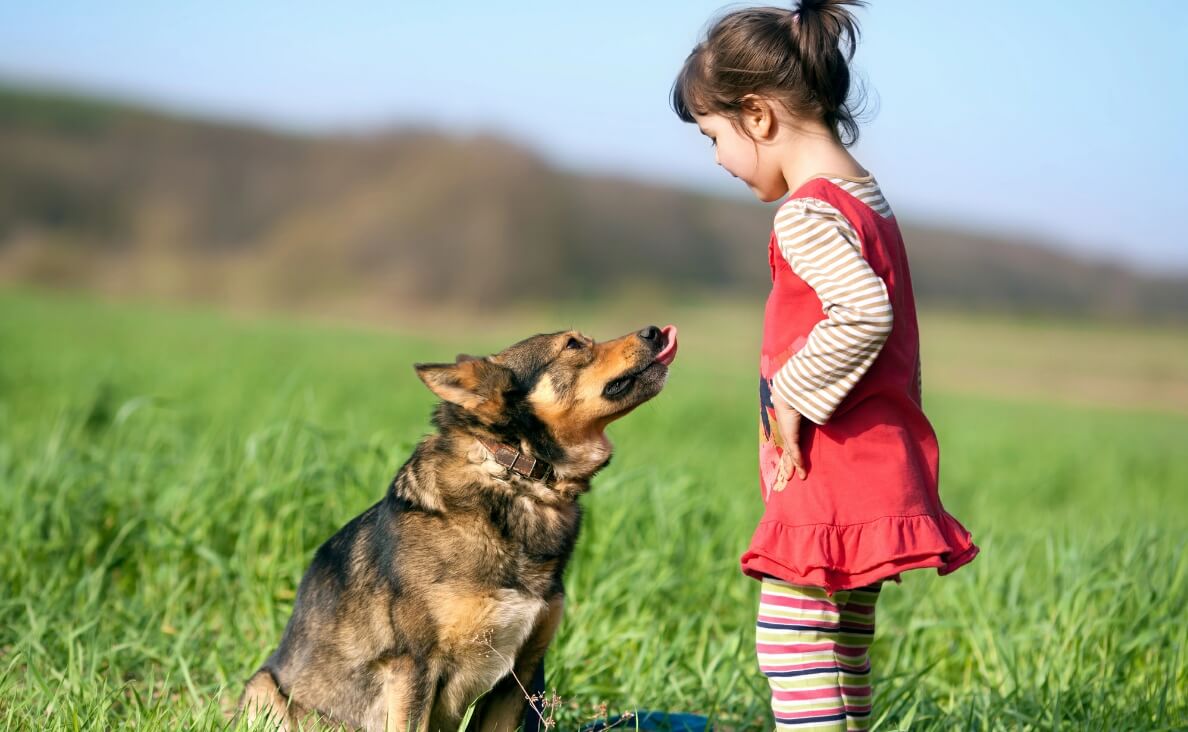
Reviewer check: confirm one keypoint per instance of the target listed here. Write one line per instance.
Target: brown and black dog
(452, 583)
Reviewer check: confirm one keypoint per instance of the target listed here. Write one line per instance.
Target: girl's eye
(573, 343)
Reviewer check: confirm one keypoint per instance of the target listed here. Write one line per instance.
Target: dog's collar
(513, 459)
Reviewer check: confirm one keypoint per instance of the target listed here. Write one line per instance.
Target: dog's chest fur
(480, 635)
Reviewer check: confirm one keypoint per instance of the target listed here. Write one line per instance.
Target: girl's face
(746, 158)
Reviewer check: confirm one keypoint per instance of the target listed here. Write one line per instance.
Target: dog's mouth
(658, 365)
(668, 345)
(620, 386)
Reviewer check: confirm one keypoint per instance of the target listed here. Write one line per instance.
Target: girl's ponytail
(799, 57)
(826, 35)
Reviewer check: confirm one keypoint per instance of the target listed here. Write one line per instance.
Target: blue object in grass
(642, 720)
(653, 722)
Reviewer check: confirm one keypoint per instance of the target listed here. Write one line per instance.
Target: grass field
(166, 474)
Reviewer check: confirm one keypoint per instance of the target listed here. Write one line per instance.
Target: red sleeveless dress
(868, 508)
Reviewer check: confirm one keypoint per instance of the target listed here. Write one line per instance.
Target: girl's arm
(822, 248)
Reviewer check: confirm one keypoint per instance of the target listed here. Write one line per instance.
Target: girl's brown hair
(799, 57)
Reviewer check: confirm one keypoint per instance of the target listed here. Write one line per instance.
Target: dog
(450, 588)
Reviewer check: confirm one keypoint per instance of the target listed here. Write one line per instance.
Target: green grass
(166, 475)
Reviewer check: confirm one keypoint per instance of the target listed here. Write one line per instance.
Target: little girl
(851, 496)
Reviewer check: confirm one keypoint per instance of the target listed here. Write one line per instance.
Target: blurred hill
(124, 199)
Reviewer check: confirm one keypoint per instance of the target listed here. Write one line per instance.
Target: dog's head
(556, 392)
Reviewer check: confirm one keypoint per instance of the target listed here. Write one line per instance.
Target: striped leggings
(813, 649)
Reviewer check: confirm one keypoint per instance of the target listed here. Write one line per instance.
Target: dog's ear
(476, 385)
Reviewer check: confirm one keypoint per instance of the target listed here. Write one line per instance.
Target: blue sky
(1058, 119)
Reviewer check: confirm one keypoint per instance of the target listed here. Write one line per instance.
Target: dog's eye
(573, 343)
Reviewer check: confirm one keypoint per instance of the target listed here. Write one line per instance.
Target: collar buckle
(514, 460)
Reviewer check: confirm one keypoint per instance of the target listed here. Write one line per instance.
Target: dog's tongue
(668, 353)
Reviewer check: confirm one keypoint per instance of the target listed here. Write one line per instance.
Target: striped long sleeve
(823, 249)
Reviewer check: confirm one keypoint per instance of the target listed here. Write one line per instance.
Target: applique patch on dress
(770, 443)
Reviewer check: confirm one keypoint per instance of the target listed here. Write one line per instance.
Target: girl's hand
(792, 462)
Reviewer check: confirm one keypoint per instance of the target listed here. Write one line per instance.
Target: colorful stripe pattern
(814, 650)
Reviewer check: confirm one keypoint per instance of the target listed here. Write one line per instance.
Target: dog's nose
(650, 334)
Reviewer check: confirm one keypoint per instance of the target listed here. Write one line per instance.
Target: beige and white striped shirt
(823, 249)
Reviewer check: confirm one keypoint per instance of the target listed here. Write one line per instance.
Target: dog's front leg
(504, 708)
(406, 697)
